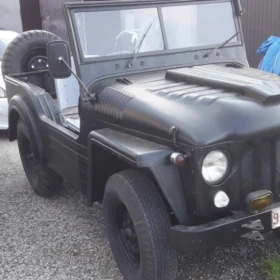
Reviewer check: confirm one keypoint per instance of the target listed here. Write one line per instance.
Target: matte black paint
(67, 157)
(58, 54)
(203, 114)
(23, 104)
(20, 109)
(213, 103)
(141, 153)
(206, 117)
(222, 231)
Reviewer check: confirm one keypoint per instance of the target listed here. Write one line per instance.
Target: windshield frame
(99, 6)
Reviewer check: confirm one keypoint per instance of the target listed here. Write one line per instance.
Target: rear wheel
(138, 221)
(44, 181)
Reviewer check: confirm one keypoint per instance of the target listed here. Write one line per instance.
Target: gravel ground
(62, 238)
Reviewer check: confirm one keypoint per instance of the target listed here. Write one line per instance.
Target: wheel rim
(29, 156)
(36, 60)
(38, 63)
(128, 237)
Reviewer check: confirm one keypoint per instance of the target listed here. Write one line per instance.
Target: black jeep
(159, 117)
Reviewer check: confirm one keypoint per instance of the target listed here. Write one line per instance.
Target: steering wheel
(133, 35)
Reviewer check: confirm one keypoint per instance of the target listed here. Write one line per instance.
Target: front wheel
(138, 221)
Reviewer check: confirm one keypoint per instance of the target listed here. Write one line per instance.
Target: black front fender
(140, 153)
(18, 108)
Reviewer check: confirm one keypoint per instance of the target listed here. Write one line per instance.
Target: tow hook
(256, 227)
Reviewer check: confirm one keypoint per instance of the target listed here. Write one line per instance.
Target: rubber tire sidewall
(151, 221)
(46, 182)
(21, 47)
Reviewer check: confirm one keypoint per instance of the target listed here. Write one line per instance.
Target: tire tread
(10, 59)
(49, 182)
(155, 225)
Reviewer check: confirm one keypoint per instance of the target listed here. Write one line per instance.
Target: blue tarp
(271, 51)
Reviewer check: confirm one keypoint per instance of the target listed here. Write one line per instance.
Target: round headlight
(215, 167)
(2, 93)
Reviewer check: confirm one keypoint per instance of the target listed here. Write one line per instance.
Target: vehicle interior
(64, 93)
(68, 103)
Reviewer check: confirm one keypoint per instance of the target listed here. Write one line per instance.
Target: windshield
(118, 32)
(115, 32)
(198, 25)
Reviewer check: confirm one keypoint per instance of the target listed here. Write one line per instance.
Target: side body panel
(53, 143)
(66, 156)
(23, 104)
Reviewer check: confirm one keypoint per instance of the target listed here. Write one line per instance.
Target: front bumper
(227, 230)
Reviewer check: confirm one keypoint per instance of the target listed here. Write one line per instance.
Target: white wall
(10, 18)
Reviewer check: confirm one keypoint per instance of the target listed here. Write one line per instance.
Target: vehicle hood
(207, 104)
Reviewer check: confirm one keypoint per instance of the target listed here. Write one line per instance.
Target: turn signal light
(178, 159)
(259, 200)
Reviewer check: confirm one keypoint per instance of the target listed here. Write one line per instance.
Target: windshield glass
(198, 25)
(115, 32)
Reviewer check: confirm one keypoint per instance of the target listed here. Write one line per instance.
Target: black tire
(44, 181)
(27, 50)
(137, 222)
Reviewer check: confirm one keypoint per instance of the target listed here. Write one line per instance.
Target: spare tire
(27, 52)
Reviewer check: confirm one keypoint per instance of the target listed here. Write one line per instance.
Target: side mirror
(59, 59)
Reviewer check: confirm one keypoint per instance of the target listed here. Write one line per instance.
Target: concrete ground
(62, 238)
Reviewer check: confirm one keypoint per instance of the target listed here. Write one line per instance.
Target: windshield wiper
(138, 47)
(221, 45)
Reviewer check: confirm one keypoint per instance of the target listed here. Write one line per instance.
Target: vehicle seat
(68, 92)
